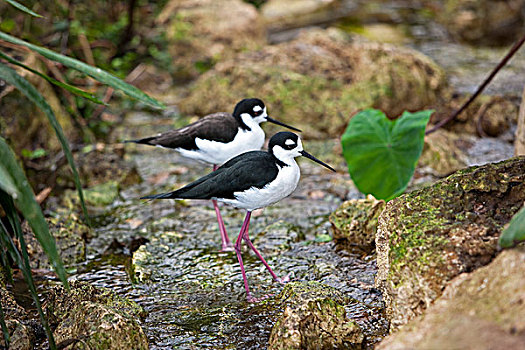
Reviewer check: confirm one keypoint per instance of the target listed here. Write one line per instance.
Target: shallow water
(193, 293)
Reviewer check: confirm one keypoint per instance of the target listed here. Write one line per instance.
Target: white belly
(214, 152)
(255, 198)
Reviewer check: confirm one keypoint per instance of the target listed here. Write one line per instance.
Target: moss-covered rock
(70, 233)
(489, 22)
(480, 310)
(96, 316)
(429, 236)
(330, 75)
(203, 32)
(314, 317)
(355, 223)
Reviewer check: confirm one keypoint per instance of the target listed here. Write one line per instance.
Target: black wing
(221, 127)
(250, 169)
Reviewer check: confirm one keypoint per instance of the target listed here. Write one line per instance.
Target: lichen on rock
(429, 236)
(314, 317)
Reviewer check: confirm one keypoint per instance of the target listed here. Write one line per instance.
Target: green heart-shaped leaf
(382, 154)
(515, 232)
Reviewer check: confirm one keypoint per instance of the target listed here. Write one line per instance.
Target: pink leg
(250, 244)
(226, 244)
(239, 257)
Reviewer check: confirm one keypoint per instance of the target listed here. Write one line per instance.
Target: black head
(285, 139)
(252, 106)
(286, 145)
(255, 109)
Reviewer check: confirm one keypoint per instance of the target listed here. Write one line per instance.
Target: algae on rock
(314, 317)
(429, 236)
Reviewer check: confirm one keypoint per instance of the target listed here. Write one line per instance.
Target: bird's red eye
(257, 113)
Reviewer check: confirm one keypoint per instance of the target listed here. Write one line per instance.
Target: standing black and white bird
(218, 137)
(251, 181)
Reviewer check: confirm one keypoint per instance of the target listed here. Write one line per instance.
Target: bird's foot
(251, 299)
(285, 279)
(227, 247)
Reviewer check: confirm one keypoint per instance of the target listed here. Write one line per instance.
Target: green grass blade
(97, 73)
(65, 86)
(4, 326)
(515, 232)
(25, 201)
(22, 8)
(23, 264)
(13, 78)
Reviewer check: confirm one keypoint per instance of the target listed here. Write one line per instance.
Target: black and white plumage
(250, 181)
(218, 137)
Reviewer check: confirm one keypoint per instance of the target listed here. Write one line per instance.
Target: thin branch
(482, 87)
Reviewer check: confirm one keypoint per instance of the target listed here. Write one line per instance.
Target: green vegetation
(15, 191)
(515, 232)
(382, 154)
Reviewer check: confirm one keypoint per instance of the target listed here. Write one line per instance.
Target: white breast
(282, 186)
(214, 152)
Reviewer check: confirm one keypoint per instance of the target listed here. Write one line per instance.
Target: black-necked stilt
(218, 137)
(250, 181)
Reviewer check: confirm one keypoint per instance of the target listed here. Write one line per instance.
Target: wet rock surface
(355, 223)
(93, 317)
(193, 294)
(330, 74)
(429, 236)
(314, 318)
(479, 310)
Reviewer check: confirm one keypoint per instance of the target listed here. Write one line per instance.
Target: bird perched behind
(218, 137)
(250, 181)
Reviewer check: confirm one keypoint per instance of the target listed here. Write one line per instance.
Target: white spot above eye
(257, 108)
(289, 142)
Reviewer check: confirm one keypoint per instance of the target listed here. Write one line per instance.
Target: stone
(70, 233)
(354, 223)
(442, 153)
(203, 32)
(486, 116)
(489, 22)
(317, 81)
(21, 335)
(479, 310)
(429, 236)
(97, 316)
(314, 317)
(280, 15)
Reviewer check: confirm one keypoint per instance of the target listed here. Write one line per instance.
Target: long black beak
(309, 156)
(271, 120)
